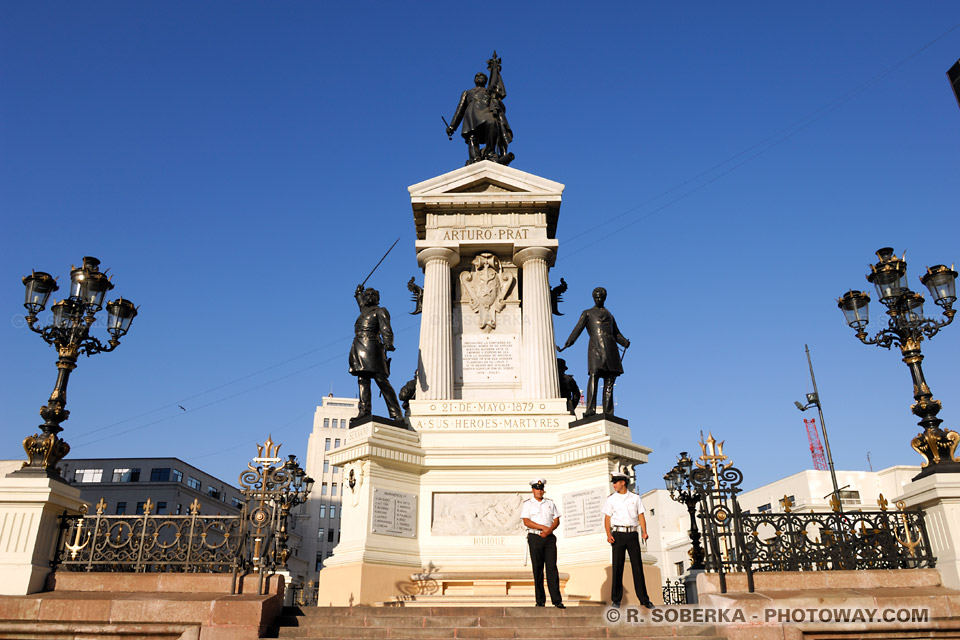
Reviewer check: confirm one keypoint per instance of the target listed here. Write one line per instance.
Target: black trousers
(627, 542)
(543, 552)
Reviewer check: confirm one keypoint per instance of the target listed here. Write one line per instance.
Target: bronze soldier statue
(368, 358)
(603, 356)
(484, 117)
(569, 389)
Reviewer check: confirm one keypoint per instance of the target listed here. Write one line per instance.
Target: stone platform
(895, 589)
(151, 605)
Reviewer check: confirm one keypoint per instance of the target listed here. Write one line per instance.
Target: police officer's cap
(617, 476)
(538, 483)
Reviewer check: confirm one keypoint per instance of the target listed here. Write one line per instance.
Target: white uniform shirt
(624, 509)
(543, 512)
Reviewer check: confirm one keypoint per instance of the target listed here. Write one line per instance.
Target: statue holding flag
(484, 117)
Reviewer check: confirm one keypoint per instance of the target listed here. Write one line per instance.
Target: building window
(764, 508)
(336, 443)
(792, 500)
(177, 475)
(193, 483)
(326, 423)
(212, 492)
(329, 553)
(87, 475)
(140, 508)
(320, 533)
(849, 497)
(161, 508)
(179, 508)
(333, 511)
(126, 475)
(121, 508)
(326, 466)
(343, 423)
(326, 444)
(160, 475)
(238, 503)
(333, 489)
(330, 534)
(679, 566)
(323, 511)
(323, 489)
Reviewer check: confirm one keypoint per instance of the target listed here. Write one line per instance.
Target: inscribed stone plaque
(582, 512)
(477, 514)
(394, 513)
(490, 358)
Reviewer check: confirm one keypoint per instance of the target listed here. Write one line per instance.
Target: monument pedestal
(939, 496)
(446, 497)
(30, 507)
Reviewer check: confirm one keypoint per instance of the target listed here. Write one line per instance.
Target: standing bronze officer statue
(603, 355)
(484, 117)
(373, 337)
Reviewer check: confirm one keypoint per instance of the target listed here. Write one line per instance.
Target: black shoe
(540, 604)
(615, 605)
(560, 605)
(648, 605)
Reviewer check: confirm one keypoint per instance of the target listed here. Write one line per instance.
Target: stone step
(482, 623)
(488, 633)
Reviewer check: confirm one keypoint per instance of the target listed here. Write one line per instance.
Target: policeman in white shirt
(622, 515)
(541, 517)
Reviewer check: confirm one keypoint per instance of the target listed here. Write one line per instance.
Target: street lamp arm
(91, 346)
(885, 338)
(931, 327)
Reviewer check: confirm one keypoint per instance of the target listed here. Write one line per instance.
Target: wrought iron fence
(674, 592)
(757, 542)
(305, 595)
(255, 541)
(191, 543)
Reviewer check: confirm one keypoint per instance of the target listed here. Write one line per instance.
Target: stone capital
(449, 256)
(530, 253)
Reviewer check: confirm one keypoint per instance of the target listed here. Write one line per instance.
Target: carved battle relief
(486, 286)
(477, 514)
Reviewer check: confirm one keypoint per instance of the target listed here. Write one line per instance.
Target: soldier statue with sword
(373, 338)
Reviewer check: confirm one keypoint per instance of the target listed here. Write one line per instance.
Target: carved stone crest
(487, 285)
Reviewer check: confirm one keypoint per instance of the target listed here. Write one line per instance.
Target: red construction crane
(816, 449)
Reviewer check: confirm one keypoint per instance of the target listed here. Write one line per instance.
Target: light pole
(679, 481)
(70, 334)
(906, 328)
(813, 400)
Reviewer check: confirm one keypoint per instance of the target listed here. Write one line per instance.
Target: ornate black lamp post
(272, 489)
(679, 481)
(906, 328)
(70, 334)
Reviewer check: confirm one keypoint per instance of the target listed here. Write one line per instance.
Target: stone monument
(433, 512)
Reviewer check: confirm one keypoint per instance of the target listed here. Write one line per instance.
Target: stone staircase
(441, 623)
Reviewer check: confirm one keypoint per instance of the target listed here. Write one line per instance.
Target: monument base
(938, 495)
(446, 498)
(363, 583)
(30, 507)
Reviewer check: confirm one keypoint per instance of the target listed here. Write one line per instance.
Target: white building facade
(322, 509)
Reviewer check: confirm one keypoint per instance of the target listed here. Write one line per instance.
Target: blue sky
(730, 168)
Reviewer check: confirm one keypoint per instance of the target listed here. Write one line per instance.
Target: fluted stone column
(539, 367)
(435, 363)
